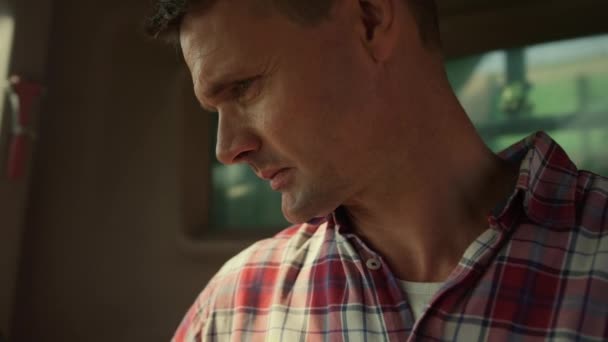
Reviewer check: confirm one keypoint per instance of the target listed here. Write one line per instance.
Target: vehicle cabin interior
(114, 213)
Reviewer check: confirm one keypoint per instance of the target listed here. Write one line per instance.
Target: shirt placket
(475, 262)
(385, 286)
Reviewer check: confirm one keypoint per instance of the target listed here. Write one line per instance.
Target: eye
(242, 86)
(242, 89)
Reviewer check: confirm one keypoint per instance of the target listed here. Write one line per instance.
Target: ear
(379, 31)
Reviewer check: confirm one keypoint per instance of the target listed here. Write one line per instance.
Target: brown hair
(167, 15)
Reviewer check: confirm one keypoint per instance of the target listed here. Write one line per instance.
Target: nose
(235, 139)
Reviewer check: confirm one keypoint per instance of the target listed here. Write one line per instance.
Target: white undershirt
(419, 295)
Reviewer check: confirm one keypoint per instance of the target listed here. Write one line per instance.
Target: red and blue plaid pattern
(540, 272)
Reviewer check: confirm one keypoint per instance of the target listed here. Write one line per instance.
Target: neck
(421, 219)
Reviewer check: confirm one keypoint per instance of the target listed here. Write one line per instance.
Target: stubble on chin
(304, 205)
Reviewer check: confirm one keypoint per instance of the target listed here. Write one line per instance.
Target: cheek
(317, 107)
(299, 107)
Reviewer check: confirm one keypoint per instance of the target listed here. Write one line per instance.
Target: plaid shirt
(540, 272)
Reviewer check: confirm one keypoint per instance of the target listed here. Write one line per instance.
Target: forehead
(227, 35)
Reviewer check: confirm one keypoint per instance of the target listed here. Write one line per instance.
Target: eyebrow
(210, 93)
(215, 89)
(217, 84)
(201, 101)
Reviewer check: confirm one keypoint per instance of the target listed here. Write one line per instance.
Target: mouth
(278, 177)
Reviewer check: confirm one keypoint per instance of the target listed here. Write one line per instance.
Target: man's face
(296, 103)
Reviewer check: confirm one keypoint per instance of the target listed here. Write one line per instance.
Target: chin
(296, 216)
(303, 210)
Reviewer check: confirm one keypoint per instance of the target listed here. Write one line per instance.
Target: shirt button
(373, 264)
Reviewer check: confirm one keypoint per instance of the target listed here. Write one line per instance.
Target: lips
(278, 177)
(269, 174)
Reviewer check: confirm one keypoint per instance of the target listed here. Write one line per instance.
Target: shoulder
(247, 280)
(282, 248)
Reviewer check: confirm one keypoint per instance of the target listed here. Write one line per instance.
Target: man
(415, 230)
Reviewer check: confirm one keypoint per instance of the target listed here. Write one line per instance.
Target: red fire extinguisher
(21, 95)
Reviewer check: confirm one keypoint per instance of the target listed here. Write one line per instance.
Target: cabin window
(240, 200)
(559, 87)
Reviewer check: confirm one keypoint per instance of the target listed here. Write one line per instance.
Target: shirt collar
(547, 178)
